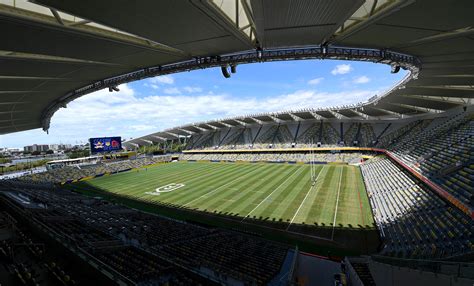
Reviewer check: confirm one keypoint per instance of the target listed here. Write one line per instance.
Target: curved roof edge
(394, 59)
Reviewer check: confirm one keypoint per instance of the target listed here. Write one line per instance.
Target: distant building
(36, 147)
(60, 147)
(54, 147)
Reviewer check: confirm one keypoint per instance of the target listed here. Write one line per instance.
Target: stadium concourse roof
(55, 51)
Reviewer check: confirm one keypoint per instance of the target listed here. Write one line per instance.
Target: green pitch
(278, 192)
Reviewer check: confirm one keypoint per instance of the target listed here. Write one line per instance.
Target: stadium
(378, 192)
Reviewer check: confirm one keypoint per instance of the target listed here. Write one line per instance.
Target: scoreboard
(105, 144)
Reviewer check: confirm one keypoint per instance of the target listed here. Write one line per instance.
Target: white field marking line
(190, 177)
(271, 194)
(310, 189)
(208, 193)
(167, 175)
(165, 189)
(337, 204)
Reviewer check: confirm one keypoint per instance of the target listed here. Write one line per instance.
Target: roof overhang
(83, 50)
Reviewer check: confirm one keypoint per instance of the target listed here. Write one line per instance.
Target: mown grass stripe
(220, 187)
(191, 177)
(289, 199)
(127, 180)
(266, 209)
(153, 182)
(276, 189)
(252, 196)
(240, 187)
(203, 184)
(337, 203)
(316, 213)
(313, 186)
(265, 191)
(199, 183)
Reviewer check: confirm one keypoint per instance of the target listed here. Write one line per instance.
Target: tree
(78, 154)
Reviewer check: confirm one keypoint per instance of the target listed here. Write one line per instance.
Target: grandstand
(378, 192)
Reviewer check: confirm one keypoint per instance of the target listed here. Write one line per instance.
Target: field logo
(165, 189)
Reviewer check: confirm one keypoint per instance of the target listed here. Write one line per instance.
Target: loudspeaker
(225, 72)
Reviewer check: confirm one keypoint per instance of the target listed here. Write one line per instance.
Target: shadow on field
(317, 237)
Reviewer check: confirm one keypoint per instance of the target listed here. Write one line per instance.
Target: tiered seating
(414, 221)
(27, 260)
(330, 135)
(403, 136)
(411, 134)
(239, 137)
(208, 140)
(282, 138)
(233, 254)
(276, 157)
(460, 183)
(135, 264)
(367, 135)
(148, 269)
(443, 154)
(69, 173)
(101, 229)
(265, 139)
(350, 134)
(393, 136)
(310, 135)
(80, 233)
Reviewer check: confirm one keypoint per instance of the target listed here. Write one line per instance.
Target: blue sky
(158, 103)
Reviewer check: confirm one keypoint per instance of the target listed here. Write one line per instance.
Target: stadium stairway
(359, 266)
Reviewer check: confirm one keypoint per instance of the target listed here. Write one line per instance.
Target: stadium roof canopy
(54, 51)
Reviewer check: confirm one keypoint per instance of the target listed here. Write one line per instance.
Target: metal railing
(457, 269)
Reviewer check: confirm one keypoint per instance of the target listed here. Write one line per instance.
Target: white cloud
(361, 79)
(192, 89)
(172, 90)
(341, 69)
(141, 127)
(163, 79)
(129, 114)
(99, 109)
(315, 81)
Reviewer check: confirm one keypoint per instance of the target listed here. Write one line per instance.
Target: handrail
(435, 266)
(294, 265)
(414, 260)
(352, 274)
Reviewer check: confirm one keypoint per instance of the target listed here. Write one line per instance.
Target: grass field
(273, 192)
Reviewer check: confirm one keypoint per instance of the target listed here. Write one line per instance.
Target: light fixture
(225, 72)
